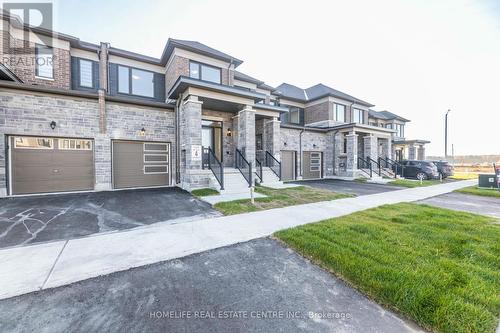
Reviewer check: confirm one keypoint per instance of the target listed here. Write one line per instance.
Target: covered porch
(409, 149)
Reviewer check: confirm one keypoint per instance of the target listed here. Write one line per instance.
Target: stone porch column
(421, 152)
(352, 154)
(246, 133)
(370, 146)
(386, 148)
(190, 142)
(272, 137)
(412, 152)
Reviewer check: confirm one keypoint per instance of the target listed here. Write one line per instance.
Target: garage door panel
(287, 165)
(51, 170)
(130, 169)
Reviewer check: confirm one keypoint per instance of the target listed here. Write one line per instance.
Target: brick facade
(179, 66)
(317, 112)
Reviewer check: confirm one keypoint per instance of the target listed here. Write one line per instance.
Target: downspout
(300, 151)
(177, 138)
(229, 83)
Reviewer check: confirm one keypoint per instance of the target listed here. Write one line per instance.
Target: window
(400, 132)
(135, 81)
(258, 142)
(75, 144)
(156, 158)
(155, 147)
(388, 126)
(155, 169)
(123, 80)
(204, 72)
(357, 116)
(340, 112)
(33, 143)
(86, 79)
(315, 162)
(294, 115)
(44, 65)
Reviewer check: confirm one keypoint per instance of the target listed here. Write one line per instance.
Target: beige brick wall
(178, 67)
(315, 113)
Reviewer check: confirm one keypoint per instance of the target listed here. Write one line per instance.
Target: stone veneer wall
(26, 113)
(309, 138)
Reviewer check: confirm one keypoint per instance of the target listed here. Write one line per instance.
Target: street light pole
(446, 134)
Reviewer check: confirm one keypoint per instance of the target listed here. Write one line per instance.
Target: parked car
(420, 169)
(444, 168)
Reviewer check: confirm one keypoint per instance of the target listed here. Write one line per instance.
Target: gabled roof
(7, 75)
(198, 48)
(315, 92)
(247, 78)
(386, 115)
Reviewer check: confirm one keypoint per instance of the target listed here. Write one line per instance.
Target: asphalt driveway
(26, 220)
(468, 203)
(258, 286)
(351, 187)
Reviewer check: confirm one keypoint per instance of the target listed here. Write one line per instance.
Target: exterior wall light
(143, 132)
(229, 133)
(314, 146)
(53, 124)
(284, 144)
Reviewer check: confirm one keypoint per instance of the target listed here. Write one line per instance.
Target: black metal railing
(244, 167)
(273, 164)
(212, 162)
(398, 167)
(258, 169)
(364, 165)
(376, 163)
(387, 164)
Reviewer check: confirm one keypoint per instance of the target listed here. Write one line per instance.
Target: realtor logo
(37, 16)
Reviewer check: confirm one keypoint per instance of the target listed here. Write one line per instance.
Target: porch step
(269, 178)
(234, 182)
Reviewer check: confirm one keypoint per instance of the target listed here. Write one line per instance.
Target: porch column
(386, 148)
(190, 142)
(246, 133)
(352, 154)
(421, 152)
(272, 137)
(370, 147)
(412, 151)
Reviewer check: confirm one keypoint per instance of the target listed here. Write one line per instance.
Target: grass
(413, 183)
(439, 267)
(464, 175)
(203, 192)
(485, 192)
(278, 198)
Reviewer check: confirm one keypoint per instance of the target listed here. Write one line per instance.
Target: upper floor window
(357, 116)
(135, 81)
(388, 126)
(204, 72)
(294, 114)
(339, 112)
(44, 66)
(86, 79)
(400, 130)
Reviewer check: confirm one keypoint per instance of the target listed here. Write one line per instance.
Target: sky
(414, 58)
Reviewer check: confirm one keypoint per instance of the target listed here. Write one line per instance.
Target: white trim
(44, 78)
(153, 166)
(146, 154)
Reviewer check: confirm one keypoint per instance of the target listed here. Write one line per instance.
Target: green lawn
(485, 192)
(413, 183)
(439, 267)
(278, 198)
(203, 192)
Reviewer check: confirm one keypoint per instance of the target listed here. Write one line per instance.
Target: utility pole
(446, 134)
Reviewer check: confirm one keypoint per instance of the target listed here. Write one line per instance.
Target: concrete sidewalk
(31, 268)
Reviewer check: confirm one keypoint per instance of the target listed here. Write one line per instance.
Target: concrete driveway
(258, 286)
(465, 202)
(26, 220)
(351, 187)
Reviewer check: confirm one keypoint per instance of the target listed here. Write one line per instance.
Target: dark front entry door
(211, 137)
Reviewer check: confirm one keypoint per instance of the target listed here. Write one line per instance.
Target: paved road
(248, 279)
(26, 220)
(467, 203)
(351, 187)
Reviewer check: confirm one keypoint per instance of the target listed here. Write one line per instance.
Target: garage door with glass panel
(45, 164)
(140, 164)
(312, 165)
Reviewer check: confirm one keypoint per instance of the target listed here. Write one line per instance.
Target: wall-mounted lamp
(284, 144)
(314, 145)
(229, 133)
(53, 124)
(143, 132)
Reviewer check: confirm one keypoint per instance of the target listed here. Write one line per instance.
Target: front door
(211, 137)
(287, 165)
